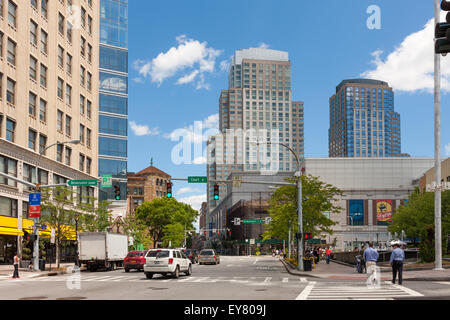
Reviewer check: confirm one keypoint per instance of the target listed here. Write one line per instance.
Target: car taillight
(190, 255)
(214, 257)
(170, 261)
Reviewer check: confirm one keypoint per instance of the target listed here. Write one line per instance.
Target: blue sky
(172, 42)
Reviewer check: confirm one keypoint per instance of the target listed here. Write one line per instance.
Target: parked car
(192, 255)
(166, 261)
(134, 260)
(208, 256)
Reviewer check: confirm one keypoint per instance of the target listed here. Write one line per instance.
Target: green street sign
(197, 179)
(253, 221)
(107, 181)
(82, 183)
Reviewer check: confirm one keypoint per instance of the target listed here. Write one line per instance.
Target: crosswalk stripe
(285, 279)
(303, 280)
(305, 293)
(268, 279)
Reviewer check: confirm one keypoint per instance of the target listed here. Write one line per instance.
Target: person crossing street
(370, 257)
(397, 259)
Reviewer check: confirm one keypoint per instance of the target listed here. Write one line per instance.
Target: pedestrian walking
(328, 254)
(397, 259)
(16, 266)
(370, 257)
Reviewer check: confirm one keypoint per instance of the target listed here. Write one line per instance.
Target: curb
(288, 267)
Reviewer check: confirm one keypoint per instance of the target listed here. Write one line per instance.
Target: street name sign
(82, 183)
(197, 179)
(107, 181)
(253, 221)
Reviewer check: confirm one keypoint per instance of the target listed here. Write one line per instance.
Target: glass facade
(113, 94)
(362, 120)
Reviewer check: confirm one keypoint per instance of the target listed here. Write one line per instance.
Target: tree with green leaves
(318, 198)
(416, 219)
(173, 234)
(137, 229)
(95, 218)
(161, 212)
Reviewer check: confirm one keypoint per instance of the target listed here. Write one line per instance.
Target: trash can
(42, 265)
(307, 265)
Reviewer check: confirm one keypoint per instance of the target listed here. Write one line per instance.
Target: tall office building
(48, 95)
(362, 120)
(259, 98)
(113, 96)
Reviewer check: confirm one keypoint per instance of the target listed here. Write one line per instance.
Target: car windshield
(207, 253)
(188, 252)
(135, 254)
(158, 254)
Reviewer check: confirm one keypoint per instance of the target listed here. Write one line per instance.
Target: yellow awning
(10, 232)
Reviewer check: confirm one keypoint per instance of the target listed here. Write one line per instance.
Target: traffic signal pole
(437, 148)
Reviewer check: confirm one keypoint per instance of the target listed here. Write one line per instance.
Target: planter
(25, 264)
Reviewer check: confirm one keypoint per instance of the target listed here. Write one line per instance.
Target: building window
(69, 32)
(42, 144)
(60, 57)
(11, 52)
(44, 11)
(88, 137)
(12, 10)
(82, 159)
(82, 102)
(59, 152)
(11, 91)
(82, 134)
(89, 81)
(32, 139)
(59, 121)
(68, 94)
(68, 156)
(33, 32)
(61, 24)
(43, 111)
(88, 165)
(69, 64)
(89, 109)
(83, 46)
(32, 104)
(68, 125)
(43, 76)
(33, 67)
(8, 207)
(44, 38)
(60, 88)
(82, 75)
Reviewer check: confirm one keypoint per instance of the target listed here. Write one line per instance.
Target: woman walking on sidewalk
(16, 266)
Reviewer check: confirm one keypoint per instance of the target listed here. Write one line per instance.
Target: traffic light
(169, 189)
(117, 192)
(216, 192)
(442, 32)
(307, 236)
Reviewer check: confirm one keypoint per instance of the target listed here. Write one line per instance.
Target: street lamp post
(299, 206)
(76, 234)
(36, 220)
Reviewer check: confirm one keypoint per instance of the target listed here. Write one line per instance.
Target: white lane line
(268, 279)
(305, 293)
(444, 283)
(285, 279)
(255, 261)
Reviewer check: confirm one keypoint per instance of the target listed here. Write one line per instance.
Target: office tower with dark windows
(113, 95)
(363, 122)
(259, 98)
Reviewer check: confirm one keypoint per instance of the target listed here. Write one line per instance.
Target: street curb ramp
(289, 268)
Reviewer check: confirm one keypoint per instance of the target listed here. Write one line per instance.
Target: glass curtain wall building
(363, 122)
(113, 94)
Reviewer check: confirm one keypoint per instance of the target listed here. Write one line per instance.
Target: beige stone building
(146, 185)
(48, 95)
(429, 177)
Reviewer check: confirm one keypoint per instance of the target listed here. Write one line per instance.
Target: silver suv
(166, 261)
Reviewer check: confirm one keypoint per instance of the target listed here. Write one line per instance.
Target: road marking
(444, 283)
(408, 290)
(285, 279)
(268, 279)
(303, 280)
(305, 293)
(255, 261)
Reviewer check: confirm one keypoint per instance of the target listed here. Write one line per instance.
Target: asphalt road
(235, 278)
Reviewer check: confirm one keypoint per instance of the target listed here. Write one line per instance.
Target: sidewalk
(340, 271)
(6, 271)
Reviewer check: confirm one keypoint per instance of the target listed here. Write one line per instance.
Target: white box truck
(102, 250)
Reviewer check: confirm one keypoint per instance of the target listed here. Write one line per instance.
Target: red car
(134, 260)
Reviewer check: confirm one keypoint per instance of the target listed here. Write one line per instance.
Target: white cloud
(263, 45)
(138, 80)
(194, 201)
(188, 78)
(189, 55)
(224, 65)
(447, 150)
(188, 190)
(208, 126)
(410, 67)
(143, 130)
